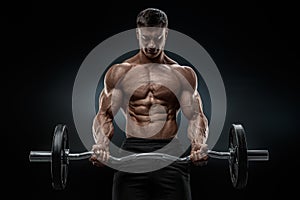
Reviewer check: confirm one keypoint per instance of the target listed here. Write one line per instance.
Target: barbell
(238, 156)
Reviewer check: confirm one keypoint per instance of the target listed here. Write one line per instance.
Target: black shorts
(171, 182)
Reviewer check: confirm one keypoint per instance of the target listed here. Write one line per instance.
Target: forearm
(198, 130)
(103, 129)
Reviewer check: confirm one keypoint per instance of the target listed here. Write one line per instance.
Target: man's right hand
(100, 155)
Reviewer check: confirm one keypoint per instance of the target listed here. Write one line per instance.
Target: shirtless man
(150, 88)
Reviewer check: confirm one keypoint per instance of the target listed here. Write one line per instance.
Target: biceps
(110, 102)
(190, 103)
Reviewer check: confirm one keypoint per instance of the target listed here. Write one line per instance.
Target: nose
(151, 44)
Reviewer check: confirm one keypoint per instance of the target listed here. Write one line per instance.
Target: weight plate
(59, 160)
(238, 161)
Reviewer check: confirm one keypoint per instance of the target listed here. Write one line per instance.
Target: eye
(158, 38)
(145, 37)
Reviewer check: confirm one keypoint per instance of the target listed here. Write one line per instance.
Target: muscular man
(150, 88)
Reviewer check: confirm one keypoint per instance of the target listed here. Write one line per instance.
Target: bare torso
(150, 100)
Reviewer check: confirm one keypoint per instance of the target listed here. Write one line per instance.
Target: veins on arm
(109, 103)
(192, 108)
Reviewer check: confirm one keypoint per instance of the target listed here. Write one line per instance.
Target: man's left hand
(199, 154)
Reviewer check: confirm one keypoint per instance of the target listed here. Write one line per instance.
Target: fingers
(201, 154)
(100, 156)
(93, 159)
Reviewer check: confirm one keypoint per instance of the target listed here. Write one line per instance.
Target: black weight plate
(59, 161)
(238, 161)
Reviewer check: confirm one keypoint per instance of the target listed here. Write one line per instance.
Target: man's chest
(155, 79)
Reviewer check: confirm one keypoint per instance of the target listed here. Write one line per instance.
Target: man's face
(152, 40)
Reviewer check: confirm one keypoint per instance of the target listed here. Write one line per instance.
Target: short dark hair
(152, 17)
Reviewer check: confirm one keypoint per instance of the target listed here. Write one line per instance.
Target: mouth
(151, 51)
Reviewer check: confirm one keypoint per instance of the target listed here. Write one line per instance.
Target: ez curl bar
(237, 155)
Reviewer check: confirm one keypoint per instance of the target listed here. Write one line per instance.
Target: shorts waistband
(143, 145)
(148, 140)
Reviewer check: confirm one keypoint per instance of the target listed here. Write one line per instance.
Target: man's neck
(143, 59)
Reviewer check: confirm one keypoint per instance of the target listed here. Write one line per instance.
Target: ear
(137, 33)
(166, 32)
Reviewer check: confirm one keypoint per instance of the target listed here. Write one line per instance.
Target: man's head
(152, 30)
(152, 17)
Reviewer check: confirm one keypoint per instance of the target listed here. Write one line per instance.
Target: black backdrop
(253, 44)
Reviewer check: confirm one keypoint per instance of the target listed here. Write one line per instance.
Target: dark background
(254, 45)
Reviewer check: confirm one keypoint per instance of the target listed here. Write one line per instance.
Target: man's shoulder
(184, 69)
(121, 66)
(187, 73)
(119, 69)
(116, 72)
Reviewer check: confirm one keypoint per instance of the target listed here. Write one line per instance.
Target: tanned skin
(150, 88)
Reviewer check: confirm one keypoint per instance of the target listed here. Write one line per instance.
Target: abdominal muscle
(153, 129)
(151, 118)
